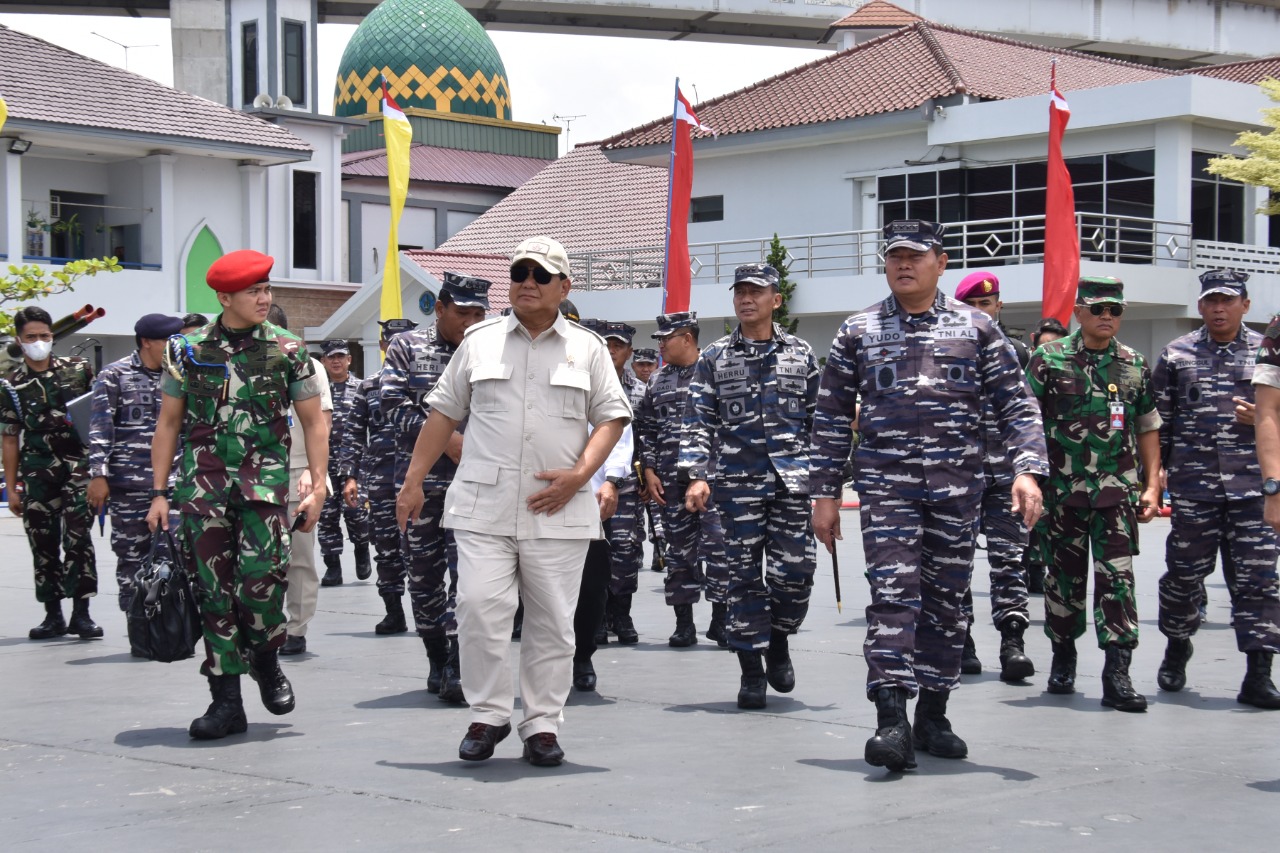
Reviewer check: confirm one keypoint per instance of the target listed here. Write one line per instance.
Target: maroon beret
(236, 271)
(978, 284)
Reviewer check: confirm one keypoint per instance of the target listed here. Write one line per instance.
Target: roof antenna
(127, 47)
(568, 123)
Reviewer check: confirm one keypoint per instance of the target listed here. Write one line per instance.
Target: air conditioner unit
(55, 208)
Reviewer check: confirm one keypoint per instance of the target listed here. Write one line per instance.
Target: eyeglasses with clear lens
(520, 273)
(1114, 310)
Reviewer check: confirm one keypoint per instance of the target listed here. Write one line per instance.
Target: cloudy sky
(611, 83)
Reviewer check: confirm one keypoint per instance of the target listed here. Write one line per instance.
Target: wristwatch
(1271, 486)
(159, 493)
(613, 478)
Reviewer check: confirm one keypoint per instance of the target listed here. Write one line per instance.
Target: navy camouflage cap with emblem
(761, 275)
(918, 234)
(669, 324)
(391, 328)
(1092, 290)
(1226, 282)
(644, 356)
(335, 347)
(619, 331)
(466, 291)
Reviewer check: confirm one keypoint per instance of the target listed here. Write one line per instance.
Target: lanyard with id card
(1115, 407)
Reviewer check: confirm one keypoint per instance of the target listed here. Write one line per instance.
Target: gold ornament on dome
(414, 83)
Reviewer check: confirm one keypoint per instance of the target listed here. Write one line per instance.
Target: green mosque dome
(434, 55)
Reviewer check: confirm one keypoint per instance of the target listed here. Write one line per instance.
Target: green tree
(777, 258)
(1262, 167)
(28, 282)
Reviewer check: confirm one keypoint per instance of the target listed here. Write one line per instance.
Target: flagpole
(671, 176)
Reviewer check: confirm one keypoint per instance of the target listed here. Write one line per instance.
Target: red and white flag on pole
(1061, 240)
(676, 274)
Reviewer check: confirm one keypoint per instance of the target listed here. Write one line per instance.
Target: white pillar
(253, 205)
(1173, 182)
(158, 209)
(14, 216)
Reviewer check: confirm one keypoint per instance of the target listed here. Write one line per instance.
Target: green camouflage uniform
(233, 483)
(54, 469)
(1093, 487)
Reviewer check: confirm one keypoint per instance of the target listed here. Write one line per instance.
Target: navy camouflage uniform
(126, 403)
(335, 508)
(652, 512)
(369, 452)
(1216, 488)
(756, 398)
(921, 382)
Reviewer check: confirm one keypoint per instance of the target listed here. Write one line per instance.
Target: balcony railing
(987, 242)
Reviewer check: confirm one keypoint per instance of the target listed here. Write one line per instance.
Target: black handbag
(164, 621)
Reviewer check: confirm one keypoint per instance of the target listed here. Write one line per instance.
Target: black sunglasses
(541, 276)
(1115, 310)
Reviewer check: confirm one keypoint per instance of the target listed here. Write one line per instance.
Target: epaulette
(1273, 329)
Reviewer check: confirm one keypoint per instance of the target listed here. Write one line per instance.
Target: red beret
(978, 284)
(236, 271)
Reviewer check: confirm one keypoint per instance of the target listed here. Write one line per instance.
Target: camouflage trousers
(1110, 536)
(131, 537)
(387, 545)
(695, 554)
(626, 544)
(773, 597)
(1248, 545)
(1006, 542)
(335, 509)
(240, 560)
(431, 557)
(56, 516)
(919, 561)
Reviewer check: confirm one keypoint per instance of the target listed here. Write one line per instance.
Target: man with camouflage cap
(336, 357)
(695, 537)
(126, 401)
(1101, 421)
(369, 448)
(753, 391)
(920, 366)
(644, 361)
(231, 391)
(415, 361)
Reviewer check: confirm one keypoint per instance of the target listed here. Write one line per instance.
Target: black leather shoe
(394, 622)
(543, 750)
(584, 676)
(1062, 669)
(81, 622)
(751, 688)
(892, 745)
(225, 714)
(52, 626)
(294, 646)
(1257, 689)
(686, 633)
(481, 739)
(1117, 689)
(275, 689)
(333, 571)
(1172, 675)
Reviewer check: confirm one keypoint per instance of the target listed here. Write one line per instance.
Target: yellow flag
(4, 112)
(399, 136)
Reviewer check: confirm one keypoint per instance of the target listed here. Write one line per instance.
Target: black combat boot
(969, 663)
(53, 625)
(584, 675)
(1014, 663)
(891, 746)
(364, 567)
(1172, 675)
(394, 622)
(782, 675)
(1117, 689)
(1062, 671)
(1257, 689)
(81, 622)
(451, 685)
(438, 658)
(752, 691)
(225, 715)
(333, 570)
(622, 624)
(718, 630)
(932, 731)
(275, 689)
(686, 633)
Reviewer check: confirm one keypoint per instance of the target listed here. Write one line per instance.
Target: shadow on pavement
(494, 769)
(1072, 702)
(177, 738)
(1272, 787)
(588, 698)
(777, 705)
(928, 766)
(121, 657)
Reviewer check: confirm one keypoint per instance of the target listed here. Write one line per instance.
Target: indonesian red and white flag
(1061, 240)
(676, 272)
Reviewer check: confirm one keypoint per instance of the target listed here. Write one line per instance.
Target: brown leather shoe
(543, 750)
(480, 740)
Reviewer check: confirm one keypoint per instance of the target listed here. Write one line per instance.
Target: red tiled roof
(583, 200)
(1251, 71)
(449, 166)
(900, 70)
(877, 15)
(46, 83)
(492, 268)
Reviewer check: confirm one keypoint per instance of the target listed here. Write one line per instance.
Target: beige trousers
(303, 592)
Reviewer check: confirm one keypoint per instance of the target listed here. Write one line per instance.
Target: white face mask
(38, 350)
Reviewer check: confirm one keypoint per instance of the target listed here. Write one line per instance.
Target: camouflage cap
(669, 324)
(919, 234)
(335, 347)
(619, 331)
(1227, 282)
(391, 328)
(1101, 288)
(761, 275)
(466, 291)
(644, 355)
